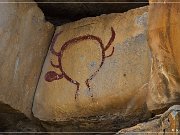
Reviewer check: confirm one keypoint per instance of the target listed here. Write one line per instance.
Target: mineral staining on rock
(163, 39)
(51, 75)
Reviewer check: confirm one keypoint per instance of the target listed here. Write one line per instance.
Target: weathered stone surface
(174, 119)
(164, 25)
(166, 123)
(152, 126)
(118, 83)
(24, 41)
(170, 120)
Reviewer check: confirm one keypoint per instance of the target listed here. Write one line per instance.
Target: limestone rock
(164, 25)
(96, 66)
(24, 41)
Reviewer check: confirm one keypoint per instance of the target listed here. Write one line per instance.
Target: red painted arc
(51, 75)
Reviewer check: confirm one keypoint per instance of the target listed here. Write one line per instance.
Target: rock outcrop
(163, 39)
(24, 41)
(98, 75)
(96, 67)
(166, 123)
(164, 85)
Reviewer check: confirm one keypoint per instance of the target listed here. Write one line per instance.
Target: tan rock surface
(118, 83)
(151, 127)
(164, 26)
(24, 41)
(166, 123)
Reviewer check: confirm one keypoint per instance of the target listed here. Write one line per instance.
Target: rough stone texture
(24, 41)
(170, 120)
(152, 126)
(120, 86)
(164, 25)
(174, 119)
(166, 123)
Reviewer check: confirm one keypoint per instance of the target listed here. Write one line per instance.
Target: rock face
(24, 41)
(152, 126)
(166, 123)
(96, 67)
(164, 86)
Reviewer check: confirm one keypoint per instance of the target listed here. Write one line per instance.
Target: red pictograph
(52, 75)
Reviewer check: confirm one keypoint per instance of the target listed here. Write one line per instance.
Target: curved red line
(71, 42)
(81, 38)
(53, 43)
(111, 53)
(52, 64)
(111, 39)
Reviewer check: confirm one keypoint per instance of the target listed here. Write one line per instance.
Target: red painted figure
(52, 75)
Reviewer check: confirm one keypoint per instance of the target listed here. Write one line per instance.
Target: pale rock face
(107, 85)
(163, 37)
(24, 41)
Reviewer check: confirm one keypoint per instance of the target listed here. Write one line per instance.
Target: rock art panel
(96, 66)
(24, 42)
(163, 39)
(51, 75)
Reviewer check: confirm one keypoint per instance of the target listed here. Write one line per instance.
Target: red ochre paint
(52, 75)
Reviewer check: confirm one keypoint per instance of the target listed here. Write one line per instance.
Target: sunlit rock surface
(100, 68)
(163, 39)
(24, 41)
(166, 123)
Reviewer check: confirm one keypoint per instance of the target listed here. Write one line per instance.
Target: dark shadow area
(13, 121)
(60, 13)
